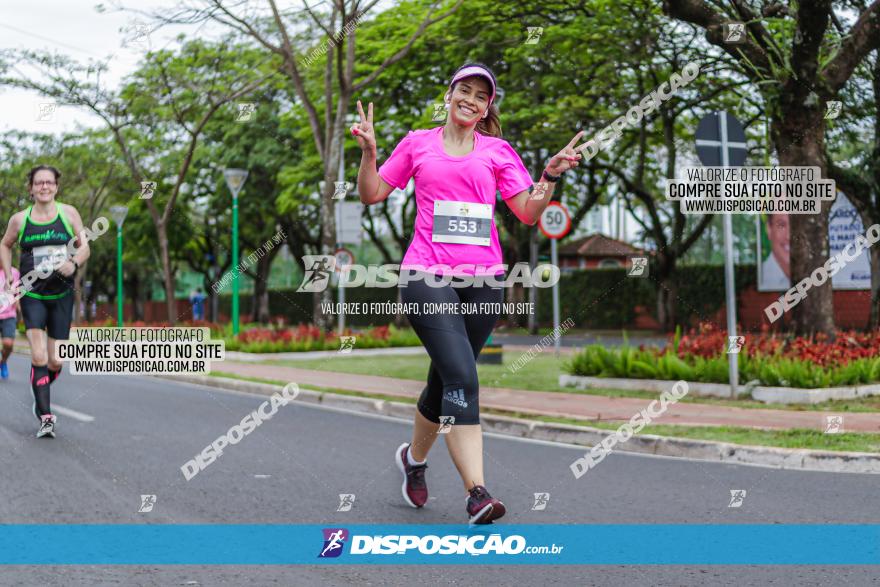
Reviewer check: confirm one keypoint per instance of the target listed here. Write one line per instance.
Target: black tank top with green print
(38, 241)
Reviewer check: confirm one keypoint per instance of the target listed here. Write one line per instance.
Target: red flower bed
(304, 332)
(709, 341)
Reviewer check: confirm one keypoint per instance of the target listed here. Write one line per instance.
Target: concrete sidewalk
(570, 405)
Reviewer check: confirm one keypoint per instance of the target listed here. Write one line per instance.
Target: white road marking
(67, 412)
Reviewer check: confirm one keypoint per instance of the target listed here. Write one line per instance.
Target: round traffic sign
(555, 221)
(344, 259)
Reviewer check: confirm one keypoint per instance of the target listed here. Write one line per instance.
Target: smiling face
(44, 186)
(469, 99)
(779, 236)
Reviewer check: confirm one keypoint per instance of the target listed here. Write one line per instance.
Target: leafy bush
(311, 338)
(772, 360)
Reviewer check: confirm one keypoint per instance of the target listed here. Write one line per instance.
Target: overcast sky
(76, 29)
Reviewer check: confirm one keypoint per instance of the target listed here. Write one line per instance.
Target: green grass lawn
(797, 438)
(579, 332)
(540, 374)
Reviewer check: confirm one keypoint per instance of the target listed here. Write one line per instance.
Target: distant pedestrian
(198, 304)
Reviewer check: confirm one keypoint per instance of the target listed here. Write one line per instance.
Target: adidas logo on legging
(455, 396)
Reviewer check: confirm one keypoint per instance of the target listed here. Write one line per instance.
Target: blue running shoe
(4, 370)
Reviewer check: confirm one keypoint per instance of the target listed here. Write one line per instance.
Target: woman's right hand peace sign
(363, 131)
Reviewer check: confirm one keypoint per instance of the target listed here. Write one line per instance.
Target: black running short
(453, 341)
(52, 315)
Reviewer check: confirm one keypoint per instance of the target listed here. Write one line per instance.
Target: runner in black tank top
(43, 231)
(39, 241)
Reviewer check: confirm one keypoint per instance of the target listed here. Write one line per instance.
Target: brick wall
(851, 311)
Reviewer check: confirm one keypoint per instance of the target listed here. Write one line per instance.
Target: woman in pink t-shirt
(459, 168)
(8, 323)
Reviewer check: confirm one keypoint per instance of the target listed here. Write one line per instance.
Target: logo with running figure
(46, 111)
(533, 35)
(346, 501)
(734, 32)
(638, 266)
(245, 111)
(317, 272)
(833, 424)
(342, 188)
(833, 108)
(737, 496)
(334, 540)
(446, 424)
(735, 344)
(148, 188)
(539, 191)
(147, 503)
(346, 344)
(541, 501)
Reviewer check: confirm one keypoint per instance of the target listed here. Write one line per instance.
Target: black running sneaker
(482, 507)
(414, 488)
(47, 427)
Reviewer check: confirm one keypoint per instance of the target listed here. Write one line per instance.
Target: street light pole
(235, 180)
(235, 275)
(119, 213)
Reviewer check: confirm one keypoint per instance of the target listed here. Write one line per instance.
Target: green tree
(323, 78)
(157, 118)
(798, 57)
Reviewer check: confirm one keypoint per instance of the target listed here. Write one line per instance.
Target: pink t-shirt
(8, 311)
(493, 166)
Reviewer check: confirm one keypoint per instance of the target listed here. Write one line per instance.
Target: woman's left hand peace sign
(567, 158)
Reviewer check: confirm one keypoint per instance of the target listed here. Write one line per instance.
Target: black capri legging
(453, 341)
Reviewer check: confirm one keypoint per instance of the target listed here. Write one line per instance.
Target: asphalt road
(128, 436)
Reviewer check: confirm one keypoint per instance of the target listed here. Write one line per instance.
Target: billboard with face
(774, 234)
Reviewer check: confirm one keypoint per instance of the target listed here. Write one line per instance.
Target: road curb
(766, 394)
(782, 458)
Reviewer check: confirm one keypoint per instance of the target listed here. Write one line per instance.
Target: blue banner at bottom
(631, 544)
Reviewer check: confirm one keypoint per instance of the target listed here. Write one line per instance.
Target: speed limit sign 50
(555, 221)
(344, 259)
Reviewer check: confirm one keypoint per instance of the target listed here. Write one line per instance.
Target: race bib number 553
(464, 223)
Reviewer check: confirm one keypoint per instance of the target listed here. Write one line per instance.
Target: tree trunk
(400, 319)
(874, 319)
(162, 233)
(666, 298)
(260, 300)
(799, 139)
(533, 291)
(134, 288)
(516, 295)
(328, 217)
(90, 299)
(140, 302)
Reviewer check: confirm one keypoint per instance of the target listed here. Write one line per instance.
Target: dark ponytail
(491, 125)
